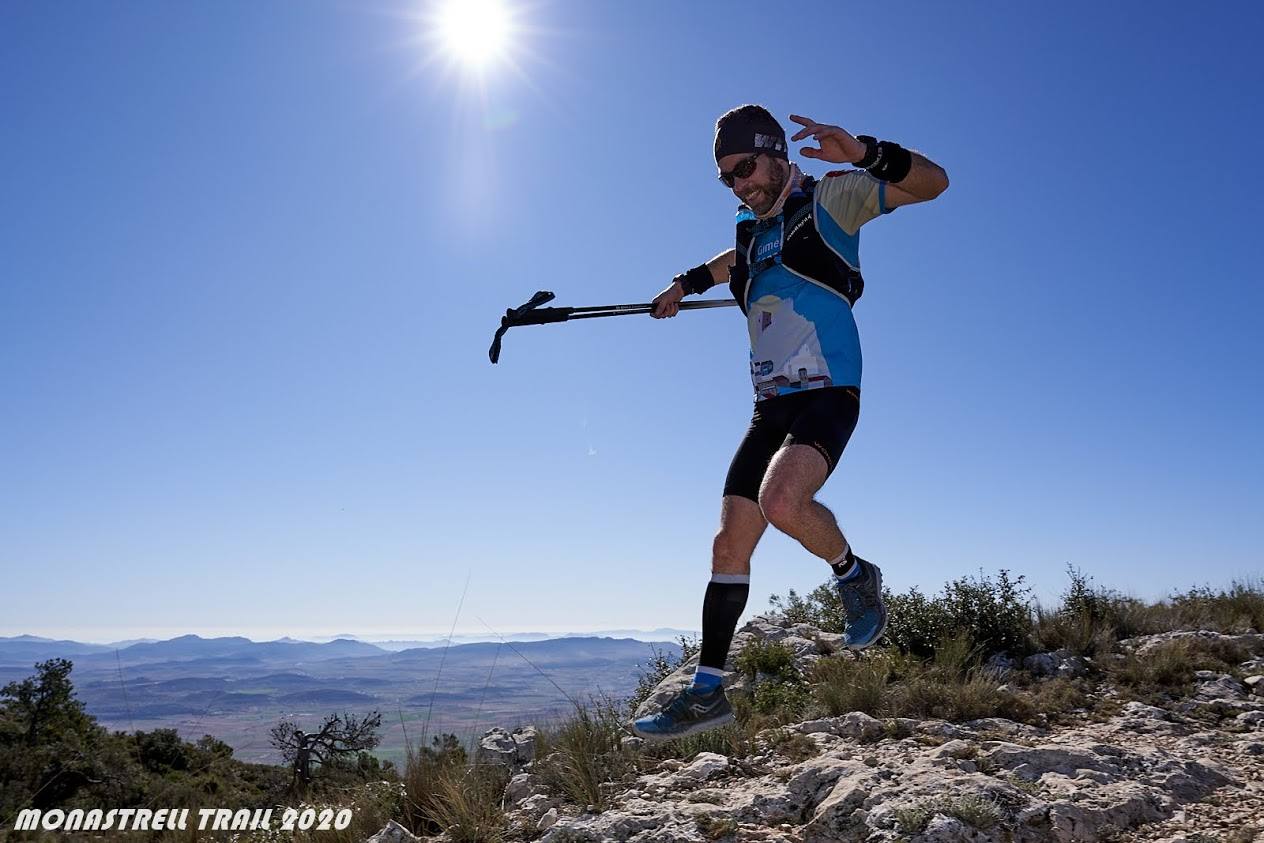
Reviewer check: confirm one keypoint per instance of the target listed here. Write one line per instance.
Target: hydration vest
(802, 251)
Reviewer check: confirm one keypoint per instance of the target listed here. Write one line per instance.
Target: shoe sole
(882, 627)
(703, 726)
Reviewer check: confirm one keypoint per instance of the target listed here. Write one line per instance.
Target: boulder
(513, 750)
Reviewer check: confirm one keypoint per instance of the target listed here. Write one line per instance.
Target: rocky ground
(1193, 772)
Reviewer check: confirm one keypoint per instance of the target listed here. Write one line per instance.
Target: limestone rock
(1144, 774)
(513, 749)
(393, 832)
(704, 766)
(521, 786)
(1058, 663)
(854, 724)
(548, 820)
(1145, 644)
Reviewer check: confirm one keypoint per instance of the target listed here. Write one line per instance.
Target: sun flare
(474, 32)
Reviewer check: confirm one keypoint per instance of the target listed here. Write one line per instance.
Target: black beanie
(748, 129)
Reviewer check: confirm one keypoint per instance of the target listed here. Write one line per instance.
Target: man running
(795, 272)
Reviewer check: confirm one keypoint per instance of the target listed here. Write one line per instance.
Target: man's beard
(762, 200)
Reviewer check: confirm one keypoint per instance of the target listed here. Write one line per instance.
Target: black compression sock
(721, 609)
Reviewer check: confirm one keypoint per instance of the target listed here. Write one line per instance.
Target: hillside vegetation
(980, 651)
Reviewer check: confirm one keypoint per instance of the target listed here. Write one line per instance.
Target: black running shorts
(821, 418)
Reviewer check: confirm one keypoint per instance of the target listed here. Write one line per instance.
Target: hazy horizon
(95, 635)
(259, 636)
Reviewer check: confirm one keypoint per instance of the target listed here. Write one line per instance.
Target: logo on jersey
(767, 250)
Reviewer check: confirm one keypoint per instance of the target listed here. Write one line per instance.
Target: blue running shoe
(864, 614)
(689, 713)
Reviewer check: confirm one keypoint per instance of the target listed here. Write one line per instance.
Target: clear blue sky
(252, 256)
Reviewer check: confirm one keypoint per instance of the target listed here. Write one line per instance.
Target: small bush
(821, 608)
(1238, 609)
(785, 701)
(975, 811)
(996, 613)
(1058, 696)
(1089, 620)
(913, 819)
(425, 773)
(927, 696)
(770, 658)
(1164, 669)
(1168, 669)
(584, 752)
(716, 828)
(842, 685)
(796, 746)
(466, 803)
(892, 684)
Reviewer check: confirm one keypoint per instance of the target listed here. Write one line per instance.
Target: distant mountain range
(27, 649)
(236, 688)
(407, 643)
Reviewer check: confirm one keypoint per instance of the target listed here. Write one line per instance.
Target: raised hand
(837, 145)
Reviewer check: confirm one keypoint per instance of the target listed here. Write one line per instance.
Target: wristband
(893, 164)
(884, 160)
(696, 280)
(871, 151)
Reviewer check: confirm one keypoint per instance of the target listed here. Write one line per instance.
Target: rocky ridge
(1191, 772)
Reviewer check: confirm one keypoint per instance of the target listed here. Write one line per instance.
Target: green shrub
(975, 811)
(162, 750)
(1057, 697)
(785, 701)
(894, 684)
(996, 613)
(1089, 620)
(1168, 669)
(1238, 609)
(821, 608)
(971, 698)
(770, 658)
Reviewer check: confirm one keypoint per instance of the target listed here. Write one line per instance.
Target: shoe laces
(679, 707)
(858, 594)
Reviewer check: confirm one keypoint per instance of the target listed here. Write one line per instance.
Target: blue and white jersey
(802, 332)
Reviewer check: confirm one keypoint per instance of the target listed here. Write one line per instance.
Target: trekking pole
(532, 314)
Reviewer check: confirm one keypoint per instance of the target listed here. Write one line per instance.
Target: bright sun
(475, 32)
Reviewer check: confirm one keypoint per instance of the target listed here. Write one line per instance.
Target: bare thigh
(741, 525)
(795, 475)
(787, 500)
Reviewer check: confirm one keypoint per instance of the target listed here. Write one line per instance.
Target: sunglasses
(742, 170)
